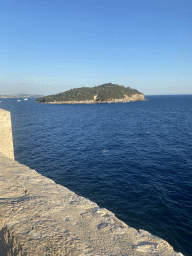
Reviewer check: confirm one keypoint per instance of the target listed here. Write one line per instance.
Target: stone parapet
(39, 217)
(6, 140)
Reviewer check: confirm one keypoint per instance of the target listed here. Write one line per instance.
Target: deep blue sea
(134, 159)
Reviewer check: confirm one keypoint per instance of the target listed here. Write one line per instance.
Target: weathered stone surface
(40, 217)
(6, 140)
(134, 97)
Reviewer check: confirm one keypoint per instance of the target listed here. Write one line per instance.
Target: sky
(51, 46)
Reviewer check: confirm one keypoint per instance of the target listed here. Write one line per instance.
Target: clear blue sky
(144, 44)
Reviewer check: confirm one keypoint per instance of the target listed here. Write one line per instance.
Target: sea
(135, 159)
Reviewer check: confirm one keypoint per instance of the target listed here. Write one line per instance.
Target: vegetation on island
(104, 92)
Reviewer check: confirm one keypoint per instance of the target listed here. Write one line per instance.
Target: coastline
(132, 98)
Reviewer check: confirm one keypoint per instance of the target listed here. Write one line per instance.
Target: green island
(105, 93)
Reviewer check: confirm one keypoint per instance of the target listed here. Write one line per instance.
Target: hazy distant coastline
(21, 95)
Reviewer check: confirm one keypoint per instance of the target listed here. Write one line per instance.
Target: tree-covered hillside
(104, 92)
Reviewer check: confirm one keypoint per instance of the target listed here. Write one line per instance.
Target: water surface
(134, 159)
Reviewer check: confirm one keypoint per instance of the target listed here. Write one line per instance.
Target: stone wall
(6, 140)
(40, 217)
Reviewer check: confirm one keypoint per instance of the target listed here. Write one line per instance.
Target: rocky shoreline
(132, 98)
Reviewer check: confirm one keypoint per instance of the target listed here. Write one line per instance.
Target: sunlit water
(134, 159)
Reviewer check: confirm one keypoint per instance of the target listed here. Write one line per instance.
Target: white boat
(18, 100)
(25, 99)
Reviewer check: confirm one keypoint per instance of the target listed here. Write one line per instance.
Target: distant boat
(25, 99)
(18, 100)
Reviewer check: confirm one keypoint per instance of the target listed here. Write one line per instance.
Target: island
(105, 93)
